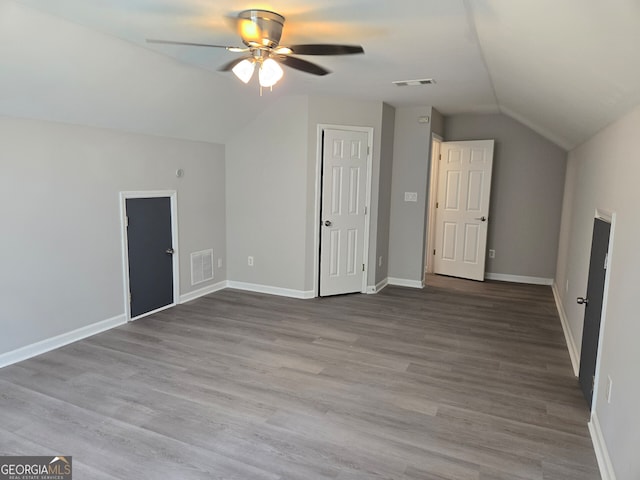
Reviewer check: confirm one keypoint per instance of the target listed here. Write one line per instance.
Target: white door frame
(609, 217)
(173, 197)
(458, 266)
(318, 202)
(430, 234)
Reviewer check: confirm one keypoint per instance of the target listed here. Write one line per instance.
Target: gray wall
(437, 122)
(526, 193)
(61, 252)
(342, 111)
(267, 197)
(411, 150)
(384, 193)
(603, 174)
(271, 189)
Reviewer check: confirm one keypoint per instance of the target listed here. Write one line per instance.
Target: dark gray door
(150, 254)
(593, 307)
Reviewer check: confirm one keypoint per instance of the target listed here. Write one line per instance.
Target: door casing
(610, 217)
(318, 201)
(430, 235)
(172, 195)
(458, 266)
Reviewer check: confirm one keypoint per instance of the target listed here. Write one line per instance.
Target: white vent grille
(201, 266)
(414, 83)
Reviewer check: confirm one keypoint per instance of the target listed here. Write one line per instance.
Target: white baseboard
(571, 344)
(600, 446)
(518, 279)
(201, 292)
(61, 340)
(403, 282)
(378, 286)
(282, 292)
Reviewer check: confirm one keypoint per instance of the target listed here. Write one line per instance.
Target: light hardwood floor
(459, 381)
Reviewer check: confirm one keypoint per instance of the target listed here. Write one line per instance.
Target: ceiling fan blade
(228, 66)
(303, 65)
(326, 49)
(191, 44)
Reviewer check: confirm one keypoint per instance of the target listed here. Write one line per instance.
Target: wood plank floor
(459, 381)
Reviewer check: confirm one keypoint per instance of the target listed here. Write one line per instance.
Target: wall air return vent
(414, 83)
(201, 266)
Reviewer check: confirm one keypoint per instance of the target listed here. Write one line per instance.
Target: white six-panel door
(344, 182)
(462, 213)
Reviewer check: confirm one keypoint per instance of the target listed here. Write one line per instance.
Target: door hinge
(434, 251)
(129, 297)
(606, 260)
(363, 267)
(437, 204)
(126, 221)
(365, 210)
(368, 150)
(440, 157)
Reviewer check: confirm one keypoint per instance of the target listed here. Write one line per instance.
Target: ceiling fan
(260, 31)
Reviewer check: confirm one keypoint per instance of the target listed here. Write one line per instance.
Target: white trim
(61, 340)
(609, 217)
(201, 292)
(378, 286)
(403, 282)
(383, 283)
(605, 215)
(430, 233)
(151, 312)
(282, 292)
(173, 198)
(318, 197)
(564, 321)
(518, 279)
(600, 446)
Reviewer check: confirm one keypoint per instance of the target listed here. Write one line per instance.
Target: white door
(462, 208)
(342, 237)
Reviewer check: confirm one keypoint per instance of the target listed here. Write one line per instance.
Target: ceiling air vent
(414, 83)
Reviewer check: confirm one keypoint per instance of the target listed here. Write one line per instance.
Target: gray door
(593, 307)
(150, 254)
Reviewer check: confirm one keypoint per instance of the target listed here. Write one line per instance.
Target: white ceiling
(565, 68)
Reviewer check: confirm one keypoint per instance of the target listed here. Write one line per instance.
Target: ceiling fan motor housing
(260, 28)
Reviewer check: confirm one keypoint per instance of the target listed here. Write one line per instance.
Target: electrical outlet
(219, 263)
(492, 253)
(250, 261)
(609, 387)
(410, 196)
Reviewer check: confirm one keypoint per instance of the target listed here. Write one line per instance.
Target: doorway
(462, 208)
(436, 142)
(593, 303)
(342, 197)
(149, 246)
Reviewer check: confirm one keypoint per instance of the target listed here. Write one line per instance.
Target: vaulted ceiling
(564, 68)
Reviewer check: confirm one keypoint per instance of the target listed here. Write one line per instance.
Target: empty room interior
(321, 240)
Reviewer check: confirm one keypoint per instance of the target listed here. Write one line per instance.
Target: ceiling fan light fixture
(282, 51)
(244, 70)
(270, 73)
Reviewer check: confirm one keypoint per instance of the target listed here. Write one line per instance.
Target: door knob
(482, 218)
(582, 301)
(169, 251)
(327, 223)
